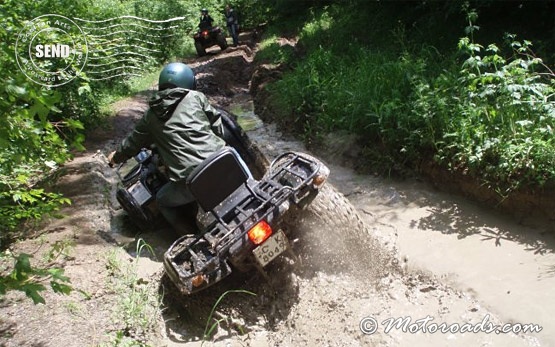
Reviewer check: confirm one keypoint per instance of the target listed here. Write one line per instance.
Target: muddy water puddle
(491, 260)
(247, 119)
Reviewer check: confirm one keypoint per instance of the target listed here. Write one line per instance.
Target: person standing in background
(232, 22)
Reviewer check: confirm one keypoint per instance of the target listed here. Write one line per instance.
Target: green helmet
(176, 75)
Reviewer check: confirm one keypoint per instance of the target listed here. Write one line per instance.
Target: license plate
(271, 248)
(140, 193)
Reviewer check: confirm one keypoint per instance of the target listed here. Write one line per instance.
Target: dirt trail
(457, 262)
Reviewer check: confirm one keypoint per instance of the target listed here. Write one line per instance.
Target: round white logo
(51, 50)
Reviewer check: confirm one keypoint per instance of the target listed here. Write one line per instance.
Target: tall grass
(137, 310)
(357, 94)
(484, 111)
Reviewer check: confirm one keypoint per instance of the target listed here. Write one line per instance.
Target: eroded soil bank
(441, 257)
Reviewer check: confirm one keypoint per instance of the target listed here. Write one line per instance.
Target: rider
(205, 20)
(232, 23)
(185, 128)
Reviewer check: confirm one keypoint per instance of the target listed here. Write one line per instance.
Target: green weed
(120, 340)
(138, 305)
(211, 326)
(31, 279)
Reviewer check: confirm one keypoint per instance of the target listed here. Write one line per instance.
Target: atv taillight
(260, 232)
(198, 280)
(205, 33)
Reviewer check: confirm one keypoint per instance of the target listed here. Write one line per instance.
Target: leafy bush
(32, 143)
(495, 117)
(481, 111)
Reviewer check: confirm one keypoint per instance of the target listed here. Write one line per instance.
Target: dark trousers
(171, 198)
(234, 32)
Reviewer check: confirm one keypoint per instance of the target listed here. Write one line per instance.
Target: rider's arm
(214, 116)
(132, 144)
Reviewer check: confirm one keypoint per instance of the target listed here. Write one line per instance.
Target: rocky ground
(422, 256)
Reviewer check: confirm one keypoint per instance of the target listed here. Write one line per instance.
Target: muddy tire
(334, 238)
(336, 211)
(222, 42)
(200, 49)
(142, 218)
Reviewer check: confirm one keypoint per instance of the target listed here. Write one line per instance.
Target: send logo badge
(51, 50)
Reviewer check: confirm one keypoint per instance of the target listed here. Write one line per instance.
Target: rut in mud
(350, 267)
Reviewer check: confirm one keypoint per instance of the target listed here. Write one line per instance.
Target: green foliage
(138, 306)
(120, 340)
(270, 51)
(32, 143)
(333, 88)
(30, 279)
(481, 111)
(17, 205)
(494, 118)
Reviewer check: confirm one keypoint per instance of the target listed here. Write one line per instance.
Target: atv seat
(217, 177)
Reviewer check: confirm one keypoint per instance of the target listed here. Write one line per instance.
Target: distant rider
(205, 20)
(185, 128)
(232, 21)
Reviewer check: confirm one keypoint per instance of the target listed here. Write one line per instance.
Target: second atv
(208, 37)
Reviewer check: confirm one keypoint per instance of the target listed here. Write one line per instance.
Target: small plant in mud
(120, 340)
(211, 326)
(17, 273)
(138, 305)
(60, 249)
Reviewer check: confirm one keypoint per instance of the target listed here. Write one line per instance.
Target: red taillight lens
(198, 280)
(260, 232)
(205, 33)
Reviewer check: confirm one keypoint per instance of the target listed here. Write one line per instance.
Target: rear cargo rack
(289, 174)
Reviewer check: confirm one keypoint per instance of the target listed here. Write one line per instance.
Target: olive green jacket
(183, 125)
